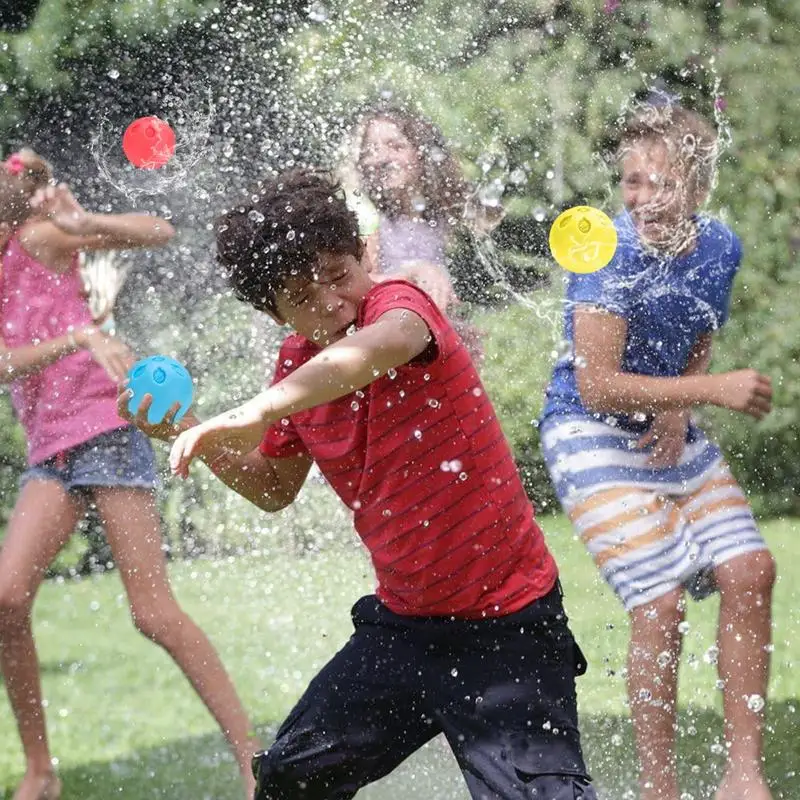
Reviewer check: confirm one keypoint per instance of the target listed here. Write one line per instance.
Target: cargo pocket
(557, 787)
(581, 664)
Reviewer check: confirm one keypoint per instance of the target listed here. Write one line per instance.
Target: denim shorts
(121, 457)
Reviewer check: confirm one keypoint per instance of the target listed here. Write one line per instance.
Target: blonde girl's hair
(691, 141)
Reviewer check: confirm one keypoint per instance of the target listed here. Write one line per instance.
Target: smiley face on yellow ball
(583, 239)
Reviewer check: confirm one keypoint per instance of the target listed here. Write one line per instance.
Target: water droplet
(387, 512)
(755, 702)
(354, 405)
(290, 235)
(113, 74)
(454, 672)
(418, 434)
(317, 12)
(684, 627)
(392, 373)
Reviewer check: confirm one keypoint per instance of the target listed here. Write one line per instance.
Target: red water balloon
(148, 142)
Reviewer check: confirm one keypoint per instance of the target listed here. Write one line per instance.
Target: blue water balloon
(167, 380)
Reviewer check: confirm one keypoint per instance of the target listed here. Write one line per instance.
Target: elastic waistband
(369, 610)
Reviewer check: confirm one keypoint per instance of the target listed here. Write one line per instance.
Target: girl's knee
(157, 623)
(663, 613)
(15, 607)
(752, 575)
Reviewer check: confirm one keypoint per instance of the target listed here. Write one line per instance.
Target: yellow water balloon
(583, 239)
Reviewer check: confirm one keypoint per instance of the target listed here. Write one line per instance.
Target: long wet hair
(442, 182)
(21, 174)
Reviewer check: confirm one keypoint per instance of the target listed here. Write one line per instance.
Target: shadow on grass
(201, 768)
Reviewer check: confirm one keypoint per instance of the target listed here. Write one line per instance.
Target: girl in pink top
(64, 374)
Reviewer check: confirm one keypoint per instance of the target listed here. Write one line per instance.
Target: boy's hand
(667, 435)
(167, 430)
(235, 432)
(745, 390)
(58, 204)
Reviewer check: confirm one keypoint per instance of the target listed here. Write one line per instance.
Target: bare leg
(745, 632)
(653, 657)
(132, 527)
(44, 518)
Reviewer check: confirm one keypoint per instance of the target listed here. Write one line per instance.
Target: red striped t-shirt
(421, 459)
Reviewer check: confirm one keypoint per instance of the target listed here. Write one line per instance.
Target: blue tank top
(667, 301)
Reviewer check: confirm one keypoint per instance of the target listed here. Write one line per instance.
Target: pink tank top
(72, 400)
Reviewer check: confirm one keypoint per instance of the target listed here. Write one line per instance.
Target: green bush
(12, 456)
(520, 345)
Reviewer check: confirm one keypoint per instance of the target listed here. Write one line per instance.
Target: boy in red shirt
(466, 634)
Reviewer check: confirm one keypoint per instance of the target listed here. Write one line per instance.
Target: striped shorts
(649, 530)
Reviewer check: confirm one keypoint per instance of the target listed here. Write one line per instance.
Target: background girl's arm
(67, 228)
(18, 362)
(600, 338)
(431, 277)
(111, 353)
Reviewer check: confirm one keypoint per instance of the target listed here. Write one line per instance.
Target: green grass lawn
(123, 722)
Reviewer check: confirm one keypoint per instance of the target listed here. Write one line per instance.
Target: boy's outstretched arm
(269, 483)
(394, 339)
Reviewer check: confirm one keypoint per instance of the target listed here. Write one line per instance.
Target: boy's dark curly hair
(288, 222)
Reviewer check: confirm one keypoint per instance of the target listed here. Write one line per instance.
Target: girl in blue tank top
(647, 491)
